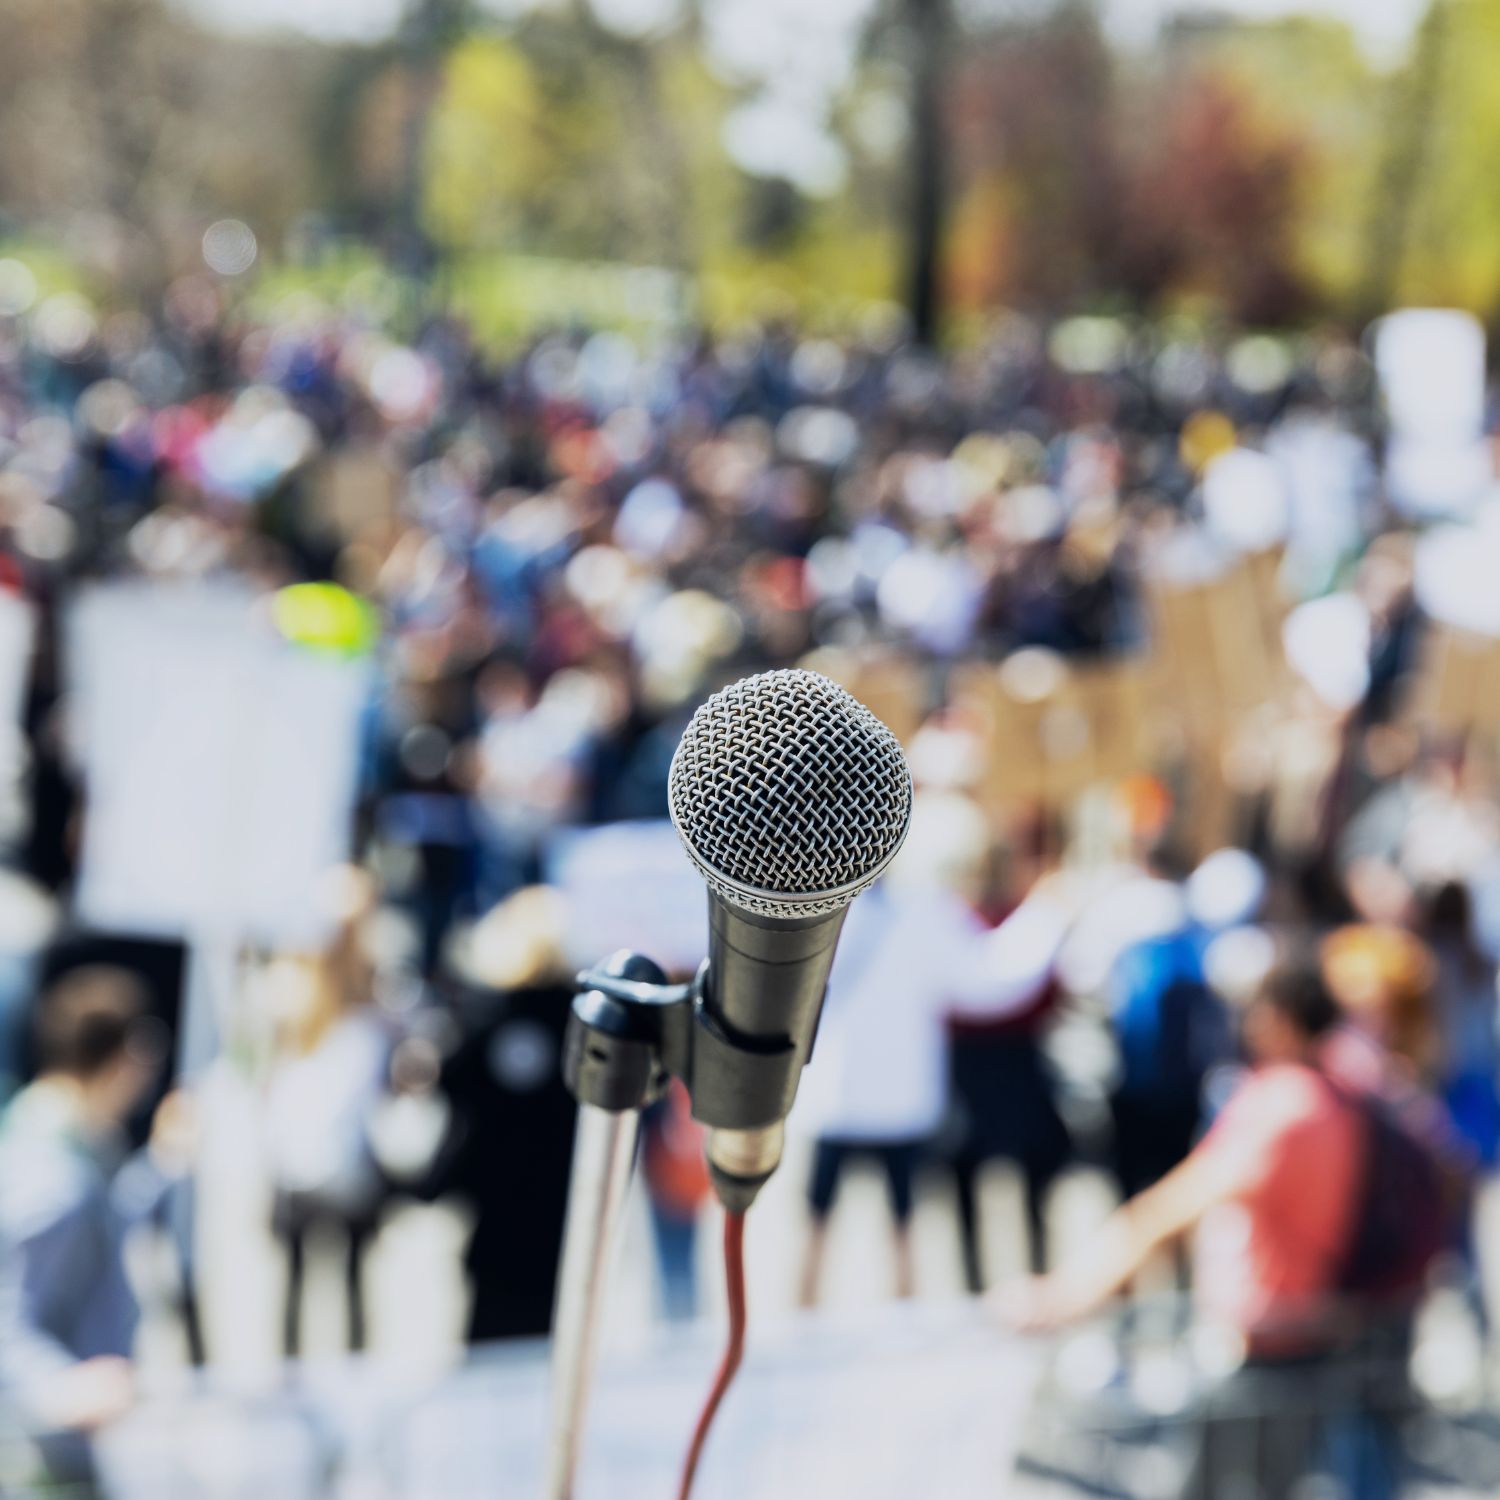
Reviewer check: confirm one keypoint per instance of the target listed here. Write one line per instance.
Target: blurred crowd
(553, 556)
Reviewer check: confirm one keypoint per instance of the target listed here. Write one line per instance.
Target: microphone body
(760, 996)
(766, 975)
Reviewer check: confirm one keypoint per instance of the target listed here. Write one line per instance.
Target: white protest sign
(1327, 644)
(1431, 364)
(629, 885)
(1245, 500)
(220, 764)
(1455, 572)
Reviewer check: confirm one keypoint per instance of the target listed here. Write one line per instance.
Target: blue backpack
(1170, 1025)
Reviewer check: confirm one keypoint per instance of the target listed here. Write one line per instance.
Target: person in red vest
(1317, 1217)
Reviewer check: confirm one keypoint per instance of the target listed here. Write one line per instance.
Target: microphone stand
(626, 1021)
(603, 1155)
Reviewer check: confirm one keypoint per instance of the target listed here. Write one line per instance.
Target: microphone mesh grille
(785, 784)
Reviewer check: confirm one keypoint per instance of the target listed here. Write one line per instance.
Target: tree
(1449, 251)
(929, 30)
(1032, 127)
(1414, 94)
(1309, 76)
(1211, 206)
(124, 117)
(556, 137)
(487, 146)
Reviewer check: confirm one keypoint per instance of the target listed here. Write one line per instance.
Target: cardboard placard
(1457, 686)
(630, 885)
(357, 487)
(1091, 725)
(1217, 645)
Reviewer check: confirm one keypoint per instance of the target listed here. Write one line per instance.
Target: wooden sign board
(1457, 686)
(354, 489)
(1094, 725)
(1217, 645)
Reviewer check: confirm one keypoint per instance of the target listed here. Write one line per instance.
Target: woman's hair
(1450, 911)
(319, 989)
(1296, 991)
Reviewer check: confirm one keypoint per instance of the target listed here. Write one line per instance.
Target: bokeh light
(229, 247)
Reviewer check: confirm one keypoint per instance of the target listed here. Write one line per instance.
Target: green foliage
(1452, 233)
(507, 297)
(486, 146)
(562, 140)
(556, 139)
(124, 116)
(52, 270)
(827, 278)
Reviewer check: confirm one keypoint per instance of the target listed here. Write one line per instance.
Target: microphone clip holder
(627, 1029)
(630, 1032)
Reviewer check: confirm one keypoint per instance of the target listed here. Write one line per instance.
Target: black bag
(1401, 1218)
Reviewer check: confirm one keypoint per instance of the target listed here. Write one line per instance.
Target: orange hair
(1383, 977)
(1144, 805)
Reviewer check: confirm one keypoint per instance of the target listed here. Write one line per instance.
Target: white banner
(220, 764)
(629, 885)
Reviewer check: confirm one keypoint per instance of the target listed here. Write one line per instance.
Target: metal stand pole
(603, 1155)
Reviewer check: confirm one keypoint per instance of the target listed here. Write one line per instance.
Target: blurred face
(120, 1086)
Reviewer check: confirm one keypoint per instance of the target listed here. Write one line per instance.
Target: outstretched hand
(1042, 1304)
(90, 1395)
(174, 1133)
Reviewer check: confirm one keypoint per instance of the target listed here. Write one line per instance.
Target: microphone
(790, 798)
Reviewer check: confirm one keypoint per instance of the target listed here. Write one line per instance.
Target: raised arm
(1114, 1256)
(1000, 972)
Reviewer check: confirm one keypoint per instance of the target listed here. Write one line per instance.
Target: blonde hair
(520, 943)
(321, 987)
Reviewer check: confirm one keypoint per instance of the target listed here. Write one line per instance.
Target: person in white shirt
(877, 1083)
(321, 1097)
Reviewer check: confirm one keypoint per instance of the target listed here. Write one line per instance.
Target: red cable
(734, 1281)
